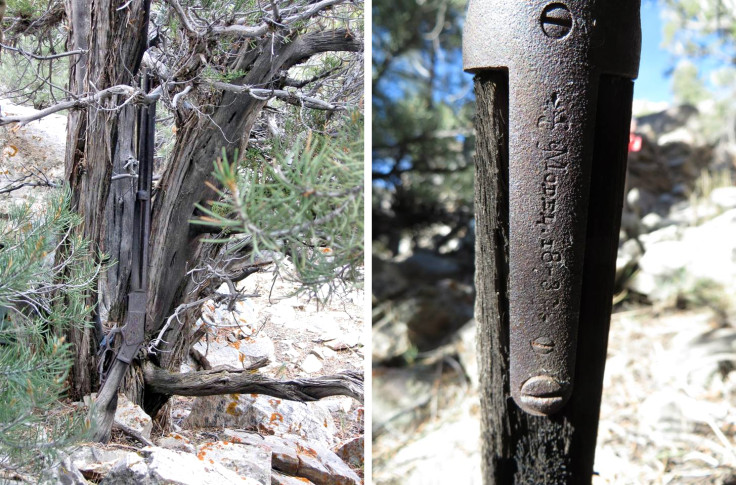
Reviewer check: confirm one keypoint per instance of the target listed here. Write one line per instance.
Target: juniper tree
(216, 68)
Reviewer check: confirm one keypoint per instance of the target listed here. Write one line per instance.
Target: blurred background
(669, 404)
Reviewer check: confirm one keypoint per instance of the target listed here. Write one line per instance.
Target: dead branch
(295, 98)
(250, 31)
(34, 179)
(216, 382)
(132, 433)
(119, 90)
(43, 58)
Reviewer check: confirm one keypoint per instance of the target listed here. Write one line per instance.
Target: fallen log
(226, 381)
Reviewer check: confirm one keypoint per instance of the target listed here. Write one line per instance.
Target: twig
(295, 98)
(43, 58)
(131, 432)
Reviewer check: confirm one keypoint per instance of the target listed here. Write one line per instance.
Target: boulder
(390, 339)
(257, 348)
(264, 414)
(246, 459)
(724, 197)
(447, 451)
(295, 459)
(311, 364)
(219, 351)
(176, 441)
(132, 416)
(352, 452)
(278, 478)
(95, 460)
(688, 261)
(64, 473)
(159, 466)
(320, 464)
(400, 395)
(343, 343)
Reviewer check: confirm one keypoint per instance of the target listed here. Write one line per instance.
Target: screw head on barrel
(542, 395)
(556, 20)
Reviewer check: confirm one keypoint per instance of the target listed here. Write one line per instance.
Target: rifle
(133, 330)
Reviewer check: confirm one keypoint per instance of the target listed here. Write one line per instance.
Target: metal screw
(556, 20)
(542, 396)
(543, 345)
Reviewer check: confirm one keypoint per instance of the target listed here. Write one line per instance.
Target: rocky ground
(253, 438)
(668, 412)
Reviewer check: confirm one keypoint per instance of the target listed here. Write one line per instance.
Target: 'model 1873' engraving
(544, 391)
(554, 159)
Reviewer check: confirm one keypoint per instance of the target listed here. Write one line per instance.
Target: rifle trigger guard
(555, 52)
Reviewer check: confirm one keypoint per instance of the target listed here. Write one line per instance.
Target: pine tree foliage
(701, 35)
(304, 198)
(39, 293)
(422, 140)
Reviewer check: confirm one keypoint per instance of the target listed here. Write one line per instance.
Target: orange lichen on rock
(305, 450)
(276, 417)
(232, 408)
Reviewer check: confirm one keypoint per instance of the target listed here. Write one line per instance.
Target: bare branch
(37, 179)
(177, 96)
(43, 58)
(295, 98)
(311, 12)
(186, 21)
(252, 30)
(120, 89)
(241, 30)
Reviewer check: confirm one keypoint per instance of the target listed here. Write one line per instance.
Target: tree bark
(215, 382)
(518, 448)
(100, 141)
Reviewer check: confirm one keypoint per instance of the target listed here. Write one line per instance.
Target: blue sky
(652, 83)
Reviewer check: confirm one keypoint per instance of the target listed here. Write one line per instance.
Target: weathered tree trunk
(519, 448)
(99, 143)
